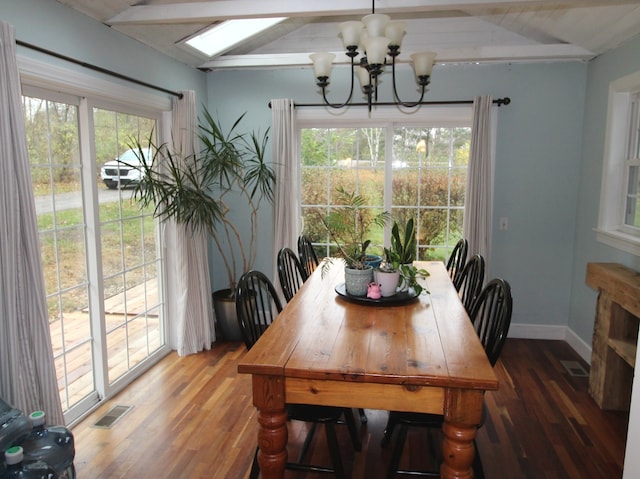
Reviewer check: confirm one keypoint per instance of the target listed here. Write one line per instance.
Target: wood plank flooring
(192, 417)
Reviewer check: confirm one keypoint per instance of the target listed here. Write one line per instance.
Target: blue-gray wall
(603, 70)
(538, 152)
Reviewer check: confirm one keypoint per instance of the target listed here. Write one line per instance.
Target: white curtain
(287, 168)
(187, 255)
(479, 196)
(27, 372)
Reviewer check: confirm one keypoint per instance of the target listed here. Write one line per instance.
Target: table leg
(268, 397)
(462, 414)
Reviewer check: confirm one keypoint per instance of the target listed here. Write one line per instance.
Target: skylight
(228, 34)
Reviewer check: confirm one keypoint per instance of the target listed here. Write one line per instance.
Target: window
(412, 166)
(619, 218)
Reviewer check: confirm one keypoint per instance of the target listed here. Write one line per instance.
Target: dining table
(407, 352)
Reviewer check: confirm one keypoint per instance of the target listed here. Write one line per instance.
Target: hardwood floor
(192, 417)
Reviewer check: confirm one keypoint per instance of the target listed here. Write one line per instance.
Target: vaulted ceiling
(460, 31)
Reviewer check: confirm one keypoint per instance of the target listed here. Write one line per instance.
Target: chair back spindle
(491, 317)
(257, 305)
(290, 272)
(457, 259)
(308, 257)
(469, 283)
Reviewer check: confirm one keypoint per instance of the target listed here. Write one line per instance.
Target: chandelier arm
(423, 85)
(338, 105)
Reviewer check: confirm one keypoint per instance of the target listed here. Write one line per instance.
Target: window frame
(611, 228)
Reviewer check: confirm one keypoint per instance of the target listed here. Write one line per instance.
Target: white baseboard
(541, 331)
(578, 344)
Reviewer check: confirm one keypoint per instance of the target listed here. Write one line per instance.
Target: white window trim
(610, 229)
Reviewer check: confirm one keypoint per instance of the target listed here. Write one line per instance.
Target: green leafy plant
(410, 274)
(199, 191)
(402, 254)
(349, 225)
(405, 245)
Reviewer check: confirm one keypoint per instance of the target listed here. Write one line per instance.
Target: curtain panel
(478, 211)
(187, 259)
(287, 168)
(27, 372)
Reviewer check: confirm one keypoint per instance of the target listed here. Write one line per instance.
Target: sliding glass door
(101, 260)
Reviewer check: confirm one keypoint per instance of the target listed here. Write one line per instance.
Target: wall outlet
(504, 223)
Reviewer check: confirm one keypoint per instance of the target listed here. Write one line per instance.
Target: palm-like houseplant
(349, 225)
(199, 190)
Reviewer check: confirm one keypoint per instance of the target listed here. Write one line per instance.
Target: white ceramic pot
(388, 281)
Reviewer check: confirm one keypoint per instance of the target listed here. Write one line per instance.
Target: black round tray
(400, 297)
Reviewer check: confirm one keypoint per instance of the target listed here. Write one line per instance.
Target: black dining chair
(307, 255)
(257, 306)
(290, 272)
(457, 259)
(491, 317)
(469, 283)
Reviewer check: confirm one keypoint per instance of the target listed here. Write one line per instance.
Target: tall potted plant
(349, 225)
(200, 192)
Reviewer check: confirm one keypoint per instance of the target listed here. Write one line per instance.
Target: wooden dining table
(418, 355)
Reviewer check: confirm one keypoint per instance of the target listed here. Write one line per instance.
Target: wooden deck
(135, 299)
(131, 337)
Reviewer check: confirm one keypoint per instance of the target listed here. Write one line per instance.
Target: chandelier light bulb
(376, 48)
(351, 33)
(363, 76)
(423, 63)
(394, 31)
(376, 23)
(322, 64)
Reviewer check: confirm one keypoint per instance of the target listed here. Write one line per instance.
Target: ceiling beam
(203, 12)
(526, 53)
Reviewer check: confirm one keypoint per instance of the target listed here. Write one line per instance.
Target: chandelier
(376, 37)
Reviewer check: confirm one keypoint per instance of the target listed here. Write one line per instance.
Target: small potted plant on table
(388, 274)
(400, 257)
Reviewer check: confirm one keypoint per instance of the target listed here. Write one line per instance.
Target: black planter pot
(224, 306)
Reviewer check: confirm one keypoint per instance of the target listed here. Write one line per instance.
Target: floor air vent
(111, 417)
(575, 369)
